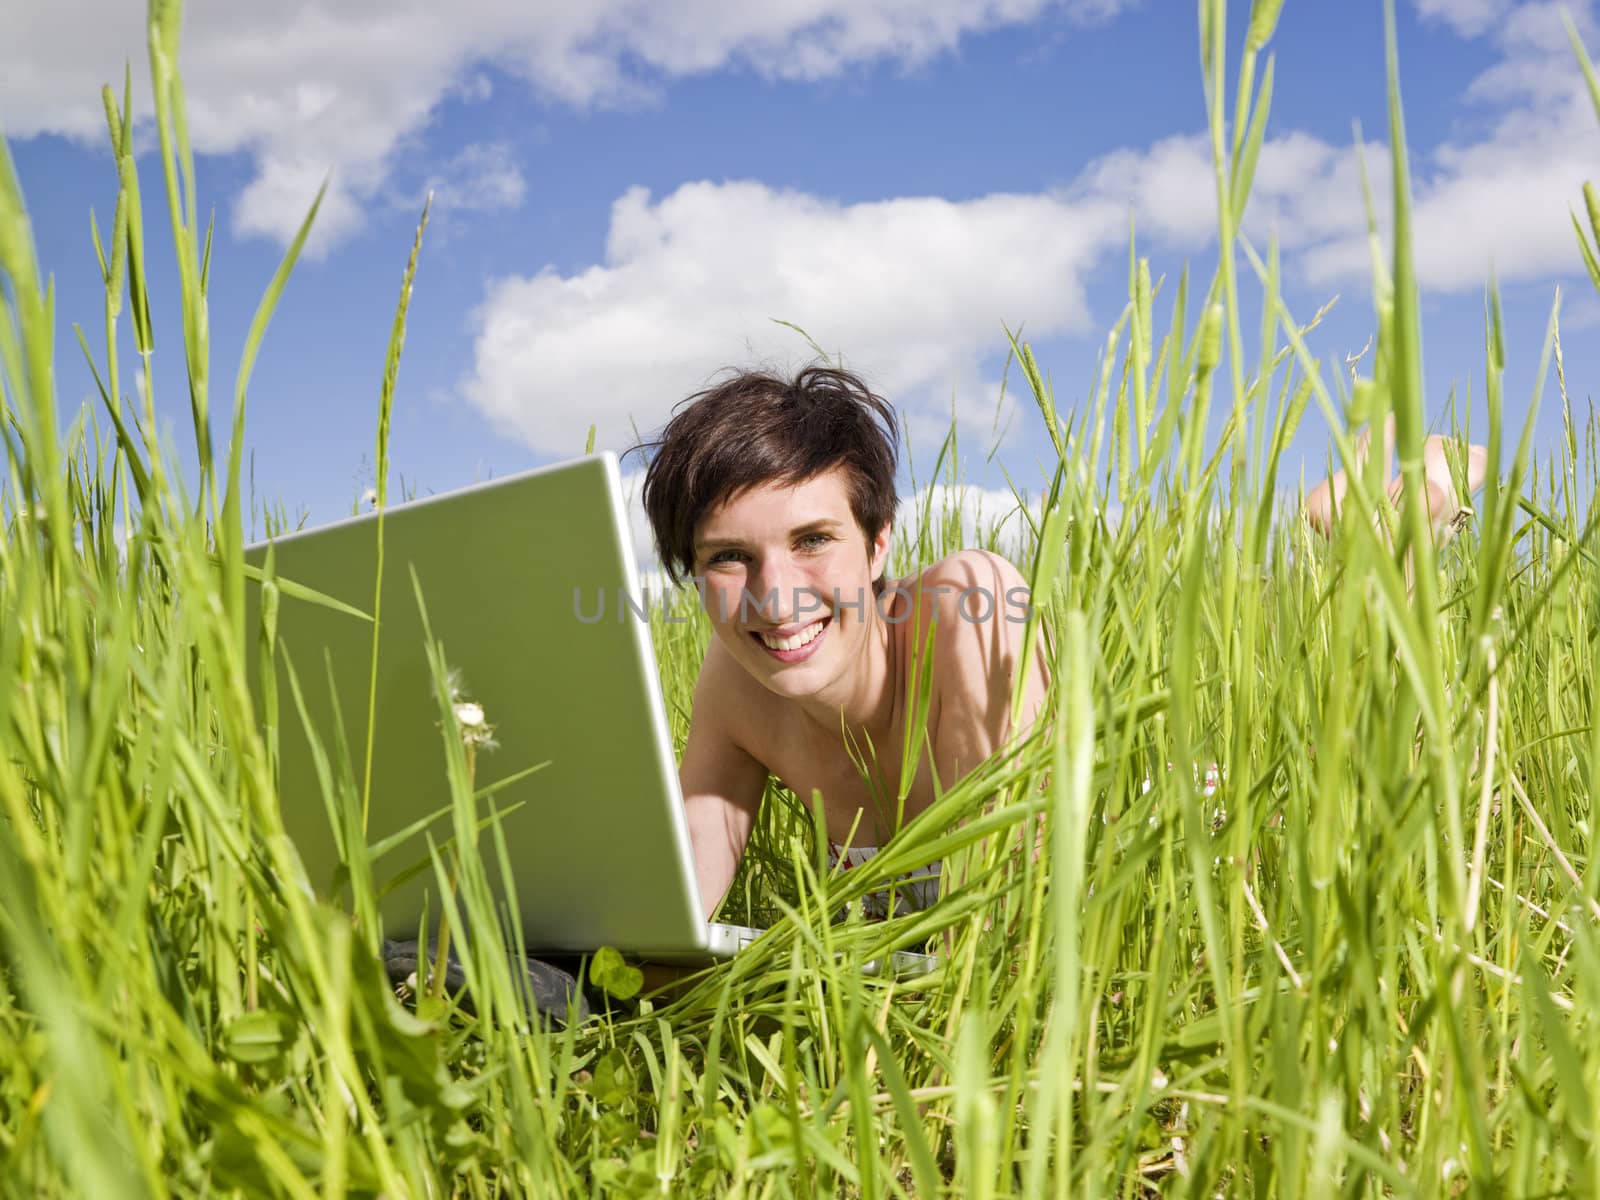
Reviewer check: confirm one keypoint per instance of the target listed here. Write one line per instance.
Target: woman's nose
(779, 587)
(767, 583)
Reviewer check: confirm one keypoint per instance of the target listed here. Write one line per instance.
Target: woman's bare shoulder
(973, 584)
(980, 608)
(977, 605)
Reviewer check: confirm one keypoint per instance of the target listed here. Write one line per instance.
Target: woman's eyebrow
(821, 525)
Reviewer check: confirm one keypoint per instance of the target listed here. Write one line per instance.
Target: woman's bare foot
(1447, 511)
(1327, 498)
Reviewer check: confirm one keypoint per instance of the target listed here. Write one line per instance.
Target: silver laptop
(531, 586)
(532, 590)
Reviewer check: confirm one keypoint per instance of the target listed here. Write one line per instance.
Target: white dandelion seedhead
(476, 732)
(370, 498)
(471, 721)
(479, 736)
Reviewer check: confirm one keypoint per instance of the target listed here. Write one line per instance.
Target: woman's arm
(721, 782)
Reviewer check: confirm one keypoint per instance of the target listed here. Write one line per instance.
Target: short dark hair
(757, 428)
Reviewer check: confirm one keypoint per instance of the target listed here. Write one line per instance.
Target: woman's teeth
(805, 636)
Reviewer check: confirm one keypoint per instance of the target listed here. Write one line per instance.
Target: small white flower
(470, 714)
(370, 498)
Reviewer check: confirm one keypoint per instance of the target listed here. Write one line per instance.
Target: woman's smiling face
(788, 581)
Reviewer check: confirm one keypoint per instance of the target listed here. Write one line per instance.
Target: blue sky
(627, 195)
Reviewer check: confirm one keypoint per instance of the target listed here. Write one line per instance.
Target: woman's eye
(810, 541)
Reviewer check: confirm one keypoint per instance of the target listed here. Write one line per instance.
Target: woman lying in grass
(776, 497)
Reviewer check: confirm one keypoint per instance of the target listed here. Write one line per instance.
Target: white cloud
(1304, 189)
(276, 201)
(1170, 185)
(313, 88)
(914, 289)
(1469, 18)
(483, 176)
(1496, 201)
(1499, 200)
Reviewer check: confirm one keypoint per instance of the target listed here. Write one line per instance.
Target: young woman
(777, 497)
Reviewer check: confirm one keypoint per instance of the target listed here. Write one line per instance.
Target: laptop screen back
(531, 587)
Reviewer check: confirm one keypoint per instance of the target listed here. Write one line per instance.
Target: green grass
(1366, 965)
